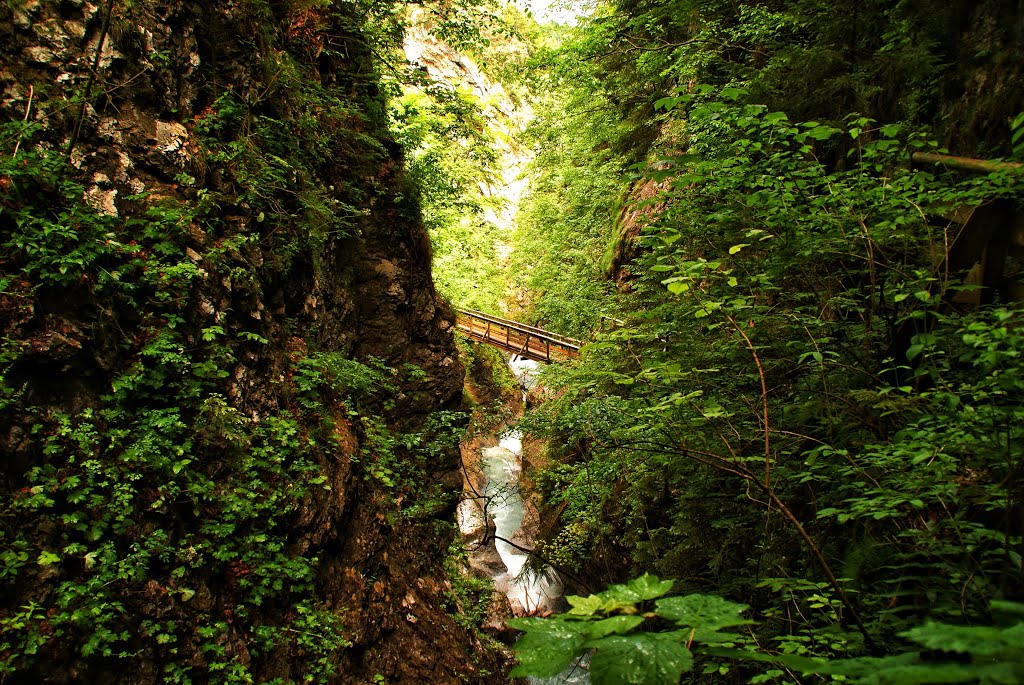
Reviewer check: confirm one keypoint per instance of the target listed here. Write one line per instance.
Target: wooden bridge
(526, 341)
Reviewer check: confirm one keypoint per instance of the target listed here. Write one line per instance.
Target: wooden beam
(968, 164)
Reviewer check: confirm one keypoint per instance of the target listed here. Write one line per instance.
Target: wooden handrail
(565, 341)
(515, 337)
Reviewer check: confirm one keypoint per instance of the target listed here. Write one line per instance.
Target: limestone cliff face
(504, 115)
(223, 358)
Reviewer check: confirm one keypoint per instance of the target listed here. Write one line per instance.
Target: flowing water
(526, 372)
(529, 592)
(535, 592)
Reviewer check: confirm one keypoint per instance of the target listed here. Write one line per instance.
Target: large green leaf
(637, 590)
(620, 597)
(616, 625)
(584, 606)
(644, 659)
(705, 614)
(978, 640)
(546, 648)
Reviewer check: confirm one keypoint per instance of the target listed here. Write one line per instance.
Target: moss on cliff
(227, 384)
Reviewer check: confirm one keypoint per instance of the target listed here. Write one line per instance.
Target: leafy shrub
(632, 633)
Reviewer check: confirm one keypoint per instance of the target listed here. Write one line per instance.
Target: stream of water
(535, 592)
(529, 592)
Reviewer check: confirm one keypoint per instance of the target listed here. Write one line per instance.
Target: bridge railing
(518, 338)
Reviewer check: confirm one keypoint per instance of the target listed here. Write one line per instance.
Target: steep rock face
(637, 212)
(500, 117)
(223, 359)
(505, 116)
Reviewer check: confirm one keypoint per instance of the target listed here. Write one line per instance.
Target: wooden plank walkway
(517, 338)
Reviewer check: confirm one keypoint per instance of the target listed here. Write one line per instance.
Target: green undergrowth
(807, 404)
(633, 633)
(156, 515)
(562, 225)
(767, 375)
(469, 597)
(453, 151)
(488, 374)
(159, 508)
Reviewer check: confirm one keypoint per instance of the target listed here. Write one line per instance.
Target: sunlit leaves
(606, 625)
(893, 427)
(639, 589)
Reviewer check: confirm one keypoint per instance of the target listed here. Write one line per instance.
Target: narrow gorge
(264, 263)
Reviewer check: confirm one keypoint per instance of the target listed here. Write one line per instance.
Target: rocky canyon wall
(226, 375)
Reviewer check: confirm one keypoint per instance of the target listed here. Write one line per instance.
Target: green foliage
(488, 376)
(652, 411)
(326, 375)
(897, 61)
(158, 505)
(606, 625)
(469, 597)
(982, 654)
(462, 147)
(430, 124)
(944, 654)
(628, 641)
(463, 24)
(113, 478)
(57, 240)
(563, 224)
(455, 140)
(62, 242)
(280, 183)
(794, 356)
